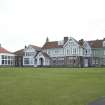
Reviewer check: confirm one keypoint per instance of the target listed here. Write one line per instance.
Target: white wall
(31, 61)
(87, 52)
(29, 49)
(72, 48)
(29, 53)
(56, 52)
(46, 61)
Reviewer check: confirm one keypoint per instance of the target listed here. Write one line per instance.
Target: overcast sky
(24, 22)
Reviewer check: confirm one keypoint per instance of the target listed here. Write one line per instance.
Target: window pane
(8, 57)
(2, 56)
(2, 61)
(9, 62)
(5, 61)
(26, 60)
(5, 57)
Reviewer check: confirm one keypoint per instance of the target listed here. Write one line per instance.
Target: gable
(86, 45)
(71, 43)
(29, 49)
(87, 49)
(42, 54)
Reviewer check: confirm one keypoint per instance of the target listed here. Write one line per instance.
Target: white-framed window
(93, 61)
(61, 58)
(67, 51)
(7, 60)
(94, 52)
(70, 58)
(97, 61)
(35, 61)
(54, 58)
(103, 43)
(29, 53)
(26, 61)
(74, 50)
(104, 52)
(103, 61)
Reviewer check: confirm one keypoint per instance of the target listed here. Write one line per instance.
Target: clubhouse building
(65, 53)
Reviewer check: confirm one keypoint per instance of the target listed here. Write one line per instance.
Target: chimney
(81, 42)
(65, 39)
(25, 46)
(47, 39)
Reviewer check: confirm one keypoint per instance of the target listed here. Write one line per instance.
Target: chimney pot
(65, 39)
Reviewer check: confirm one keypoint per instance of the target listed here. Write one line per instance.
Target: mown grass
(51, 86)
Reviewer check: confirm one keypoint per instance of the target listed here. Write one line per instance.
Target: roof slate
(93, 44)
(36, 47)
(96, 43)
(53, 44)
(19, 52)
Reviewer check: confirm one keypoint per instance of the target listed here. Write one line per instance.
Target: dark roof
(53, 44)
(3, 50)
(19, 52)
(93, 44)
(36, 47)
(45, 55)
(96, 43)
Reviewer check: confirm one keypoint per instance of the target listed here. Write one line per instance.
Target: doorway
(41, 61)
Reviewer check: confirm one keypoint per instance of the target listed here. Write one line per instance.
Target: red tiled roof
(3, 50)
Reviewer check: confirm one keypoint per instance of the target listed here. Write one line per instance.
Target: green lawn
(51, 86)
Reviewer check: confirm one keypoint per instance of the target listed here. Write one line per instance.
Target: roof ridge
(35, 46)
